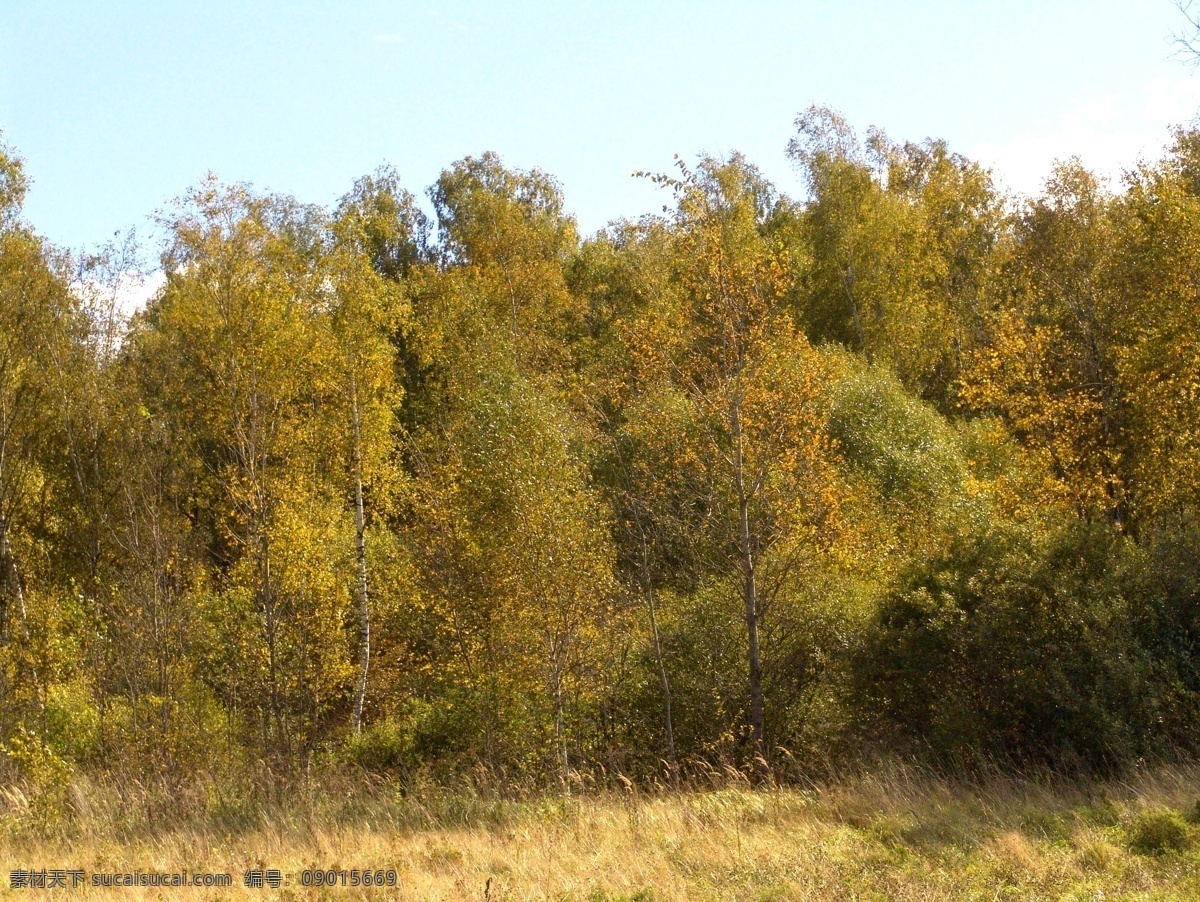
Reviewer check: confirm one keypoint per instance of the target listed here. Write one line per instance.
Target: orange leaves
(723, 371)
(1091, 359)
(1046, 363)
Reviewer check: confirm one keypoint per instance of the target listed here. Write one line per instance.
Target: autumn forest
(761, 484)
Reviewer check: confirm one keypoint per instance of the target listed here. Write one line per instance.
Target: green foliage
(382, 222)
(13, 184)
(72, 721)
(902, 242)
(47, 779)
(1159, 831)
(1033, 648)
(384, 747)
(913, 459)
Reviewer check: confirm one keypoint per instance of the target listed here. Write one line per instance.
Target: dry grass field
(901, 836)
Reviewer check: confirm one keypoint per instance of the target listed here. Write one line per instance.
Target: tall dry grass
(896, 833)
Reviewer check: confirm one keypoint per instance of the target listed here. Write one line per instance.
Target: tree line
(906, 465)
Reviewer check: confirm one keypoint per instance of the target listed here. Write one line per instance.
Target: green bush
(72, 721)
(381, 747)
(46, 777)
(1020, 649)
(1158, 831)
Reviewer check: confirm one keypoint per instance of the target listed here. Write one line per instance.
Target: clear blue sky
(117, 107)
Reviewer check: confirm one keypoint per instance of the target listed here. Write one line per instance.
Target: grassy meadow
(894, 835)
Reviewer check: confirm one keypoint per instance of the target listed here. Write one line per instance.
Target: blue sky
(118, 107)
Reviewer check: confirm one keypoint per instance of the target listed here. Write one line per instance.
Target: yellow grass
(899, 836)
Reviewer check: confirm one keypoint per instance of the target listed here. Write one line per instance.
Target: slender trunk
(672, 761)
(560, 732)
(270, 622)
(512, 299)
(555, 649)
(750, 596)
(6, 581)
(12, 583)
(1100, 378)
(4, 553)
(8, 572)
(847, 283)
(360, 550)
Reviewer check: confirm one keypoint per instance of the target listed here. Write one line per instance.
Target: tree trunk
(6, 580)
(360, 550)
(10, 582)
(560, 733)
(672, 761)
(750, 597)
(847, 286)
(267, 604)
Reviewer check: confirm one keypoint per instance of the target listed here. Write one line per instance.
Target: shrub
(1158, 831)
(47, 778)
(1016, 648)
(382, 747)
